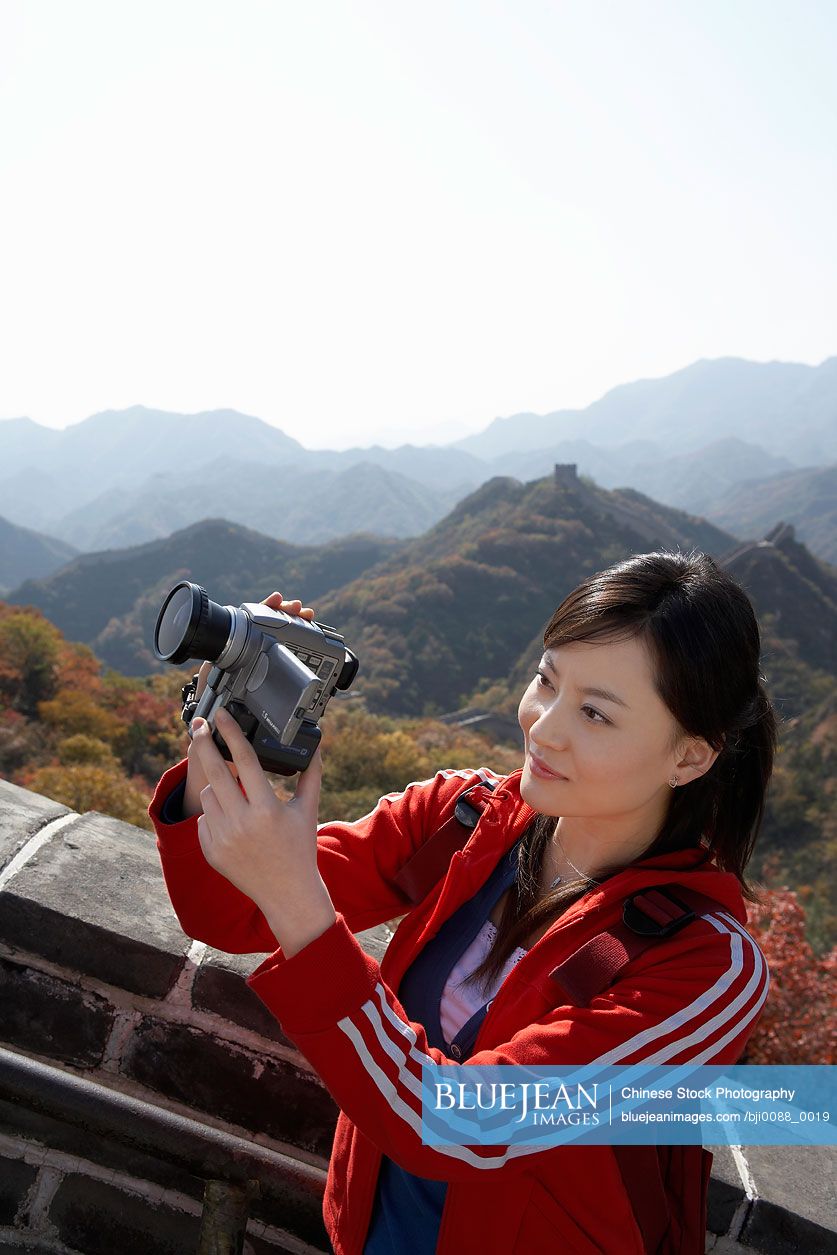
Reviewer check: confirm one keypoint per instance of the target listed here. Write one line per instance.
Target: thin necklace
(558, 879)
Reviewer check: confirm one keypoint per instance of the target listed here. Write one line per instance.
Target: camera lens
(191, 626)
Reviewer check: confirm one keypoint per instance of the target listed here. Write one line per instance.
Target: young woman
(649, 743)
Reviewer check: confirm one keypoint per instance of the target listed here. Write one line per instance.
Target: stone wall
(137, 1065)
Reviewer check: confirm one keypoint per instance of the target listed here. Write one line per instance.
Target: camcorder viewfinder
(273, 672)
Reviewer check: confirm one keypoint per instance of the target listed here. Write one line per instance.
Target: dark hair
(703, 642)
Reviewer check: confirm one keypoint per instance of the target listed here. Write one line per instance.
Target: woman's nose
(549, 730)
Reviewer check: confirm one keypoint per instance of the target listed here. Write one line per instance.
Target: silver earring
(673, 782)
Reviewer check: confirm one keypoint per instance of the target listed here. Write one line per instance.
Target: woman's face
(616, 755)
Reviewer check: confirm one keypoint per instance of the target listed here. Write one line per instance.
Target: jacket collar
(690, 867)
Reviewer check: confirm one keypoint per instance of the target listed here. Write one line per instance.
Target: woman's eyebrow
(605, 694)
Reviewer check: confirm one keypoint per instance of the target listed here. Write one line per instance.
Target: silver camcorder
(274, 672)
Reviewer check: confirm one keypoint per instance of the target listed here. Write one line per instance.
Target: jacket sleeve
(358, 861)
(697, 1003)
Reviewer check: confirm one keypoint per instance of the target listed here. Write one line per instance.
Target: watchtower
(565, 475)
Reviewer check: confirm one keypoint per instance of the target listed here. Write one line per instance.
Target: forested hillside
(110, 600)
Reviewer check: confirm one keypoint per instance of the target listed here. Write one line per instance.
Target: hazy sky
(362, 220)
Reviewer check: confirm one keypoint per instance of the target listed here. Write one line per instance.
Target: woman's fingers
(250, 771)
(209, 802)
(203, 675)
(213, 764)
(296, 607)
(293, 606)
(307, 795)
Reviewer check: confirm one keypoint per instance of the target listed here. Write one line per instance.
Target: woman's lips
(539, 768)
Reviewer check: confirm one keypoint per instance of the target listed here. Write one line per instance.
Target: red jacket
(694, 997)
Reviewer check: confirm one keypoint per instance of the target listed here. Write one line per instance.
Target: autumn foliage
(92, 740)
(797, 1024)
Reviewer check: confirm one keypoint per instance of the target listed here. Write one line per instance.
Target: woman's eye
(598, 715)
(595, 716)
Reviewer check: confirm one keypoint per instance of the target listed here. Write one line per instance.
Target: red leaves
(797, 1023)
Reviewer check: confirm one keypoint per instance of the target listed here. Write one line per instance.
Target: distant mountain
(110, 600)
(806, 498)
(684, 480)
(24, 442)
(691, 480)
(135, 442)
(124, 477)
(26, 554)
(48, 473)
(294, 503)
(785, 407)
(687, 440)
(433, 466)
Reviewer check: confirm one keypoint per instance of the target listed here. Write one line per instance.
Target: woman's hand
(265, 847)
(195, 778)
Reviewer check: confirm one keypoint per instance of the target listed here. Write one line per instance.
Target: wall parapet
(99, 981)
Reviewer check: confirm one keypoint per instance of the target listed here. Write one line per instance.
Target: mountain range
(744, 444)
(25, 554)
(440, 619)
(785, 407)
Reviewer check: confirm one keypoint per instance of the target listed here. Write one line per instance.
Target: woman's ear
(695, 760)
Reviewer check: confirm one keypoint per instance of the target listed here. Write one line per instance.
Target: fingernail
(197, 724)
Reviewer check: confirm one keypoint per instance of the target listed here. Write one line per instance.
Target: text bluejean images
(641, 1104)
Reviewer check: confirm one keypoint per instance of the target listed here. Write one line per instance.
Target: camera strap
(431, 860)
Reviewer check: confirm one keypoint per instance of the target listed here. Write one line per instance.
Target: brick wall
(98, 981)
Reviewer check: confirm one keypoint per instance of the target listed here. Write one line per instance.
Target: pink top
(459, 1002)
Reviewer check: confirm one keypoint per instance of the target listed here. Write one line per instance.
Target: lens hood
(190, 625)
